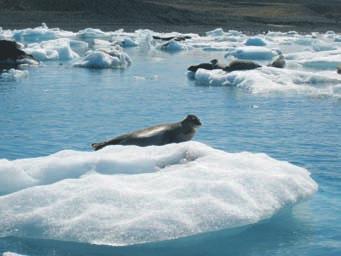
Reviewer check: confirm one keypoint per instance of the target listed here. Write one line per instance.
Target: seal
(156, 135)
(176, 38)
(236, 65)
(278, 63)
(241, 65)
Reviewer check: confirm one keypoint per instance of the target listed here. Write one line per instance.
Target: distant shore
(197, 16)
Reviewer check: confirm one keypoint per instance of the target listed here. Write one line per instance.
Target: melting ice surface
(193, 192)
(127, 194)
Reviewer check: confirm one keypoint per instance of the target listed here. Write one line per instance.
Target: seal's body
(156, 135)
(176, 38)
(241, 65)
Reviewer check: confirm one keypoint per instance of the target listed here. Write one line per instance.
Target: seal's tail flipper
(98, 146)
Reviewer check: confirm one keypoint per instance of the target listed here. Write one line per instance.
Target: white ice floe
(127, 194)
(172, 46)
(323, 60)
(252, 53)
(13, 75)
(12, 254)
(39, 34)
(102, 59)
(59, 49)
(268, 79)
(255, 41)
(218, 32)
(128, 42)
(92, 33)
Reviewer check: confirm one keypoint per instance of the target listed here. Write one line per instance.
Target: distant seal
(156, 135)
(236, 65)
(278, 63)
(241, 65)
(176, 38)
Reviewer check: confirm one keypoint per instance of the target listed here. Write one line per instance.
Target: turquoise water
(61, 107)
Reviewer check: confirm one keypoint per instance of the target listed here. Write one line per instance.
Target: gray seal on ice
(236, 65)
(156, 135)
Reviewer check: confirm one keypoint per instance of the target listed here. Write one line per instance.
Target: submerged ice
(126, 194)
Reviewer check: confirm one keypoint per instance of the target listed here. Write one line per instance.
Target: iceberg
(125, 195)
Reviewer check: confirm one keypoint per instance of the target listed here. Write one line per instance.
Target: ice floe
(59, 49)
(102, 59)
(13, 74)
(255, 41)
(39, 34)
(12, 254)
(252, 53)
(127, 195)
(173, 46)
(268, 79)
(92, 33)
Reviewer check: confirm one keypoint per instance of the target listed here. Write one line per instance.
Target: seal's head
(192, 121)
(214, 62)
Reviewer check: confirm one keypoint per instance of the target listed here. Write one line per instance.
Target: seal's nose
(198, 122)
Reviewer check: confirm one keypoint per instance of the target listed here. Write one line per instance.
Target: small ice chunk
(173, 46)
(12, 75)
(252, 53)
(216, 32)
(128, 42)
(39, 34)
(92, 33)
(12, 254)
(58, 49)
(101, 59)
(255, 41)
(319, 45)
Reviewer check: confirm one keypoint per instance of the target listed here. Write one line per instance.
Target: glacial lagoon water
(60, 107)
